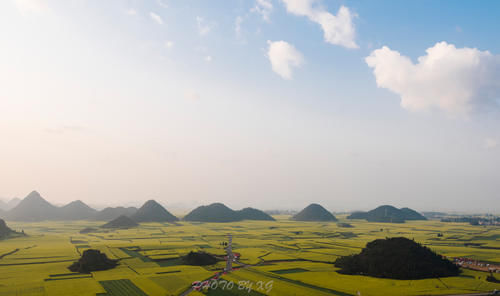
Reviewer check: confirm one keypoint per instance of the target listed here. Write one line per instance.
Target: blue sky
(251, 104)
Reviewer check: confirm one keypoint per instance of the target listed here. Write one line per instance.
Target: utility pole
(229, 251)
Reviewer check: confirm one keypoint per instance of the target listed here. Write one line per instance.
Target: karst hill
(314, 212)
(389, 214)
(218, 212)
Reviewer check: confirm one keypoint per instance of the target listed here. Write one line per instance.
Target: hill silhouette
(3, 206)
(75, 210)
(5, 231)
(92, 260)
(314, 212)
(397, 258)
(110, 213)
(410, 214)
(7, 205)
(218, 212)
(13, 203)
(388, 214)
(121, 222)
(152, 211)
(253, 214)
(32, 208)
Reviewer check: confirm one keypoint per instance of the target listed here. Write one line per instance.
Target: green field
(291, 258)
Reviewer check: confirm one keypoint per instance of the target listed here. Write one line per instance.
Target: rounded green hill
(397, 258)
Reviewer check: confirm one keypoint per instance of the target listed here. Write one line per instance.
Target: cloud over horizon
(454, 80)
(338, 29)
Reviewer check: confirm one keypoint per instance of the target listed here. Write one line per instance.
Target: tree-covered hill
(218, 212)
(314, 212)
(397, 258)
(388, 214)
(152, 211)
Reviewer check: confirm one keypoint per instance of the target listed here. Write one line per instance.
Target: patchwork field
(280, 257)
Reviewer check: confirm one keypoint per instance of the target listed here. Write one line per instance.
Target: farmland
(280, 257)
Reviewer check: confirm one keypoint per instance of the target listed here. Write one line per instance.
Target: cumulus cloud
(156, 18)
(284, 57)
(454, 80)
(203, 27)
(264, 8)
(338, 29)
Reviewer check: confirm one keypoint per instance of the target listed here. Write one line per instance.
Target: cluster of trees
(199, 259)
(397, 258)
(473, 220)
(92, 260)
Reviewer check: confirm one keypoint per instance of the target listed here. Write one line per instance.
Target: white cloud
(264, 8)
(26, 7)
(338, 29)
(237, 25)
(284, 57)
(490, 143)
(455, 80)
(162, 4)
(208, 59)
(203, 27)
(169, 44)
(156, 18)
(131, 11)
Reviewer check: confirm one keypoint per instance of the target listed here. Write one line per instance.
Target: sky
(273, 104)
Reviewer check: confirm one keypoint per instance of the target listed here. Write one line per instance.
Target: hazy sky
(264, 103)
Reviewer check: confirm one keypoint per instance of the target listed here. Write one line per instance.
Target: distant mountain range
(218, 212)
(389, 214)
(314, 212)
(34, 208)
(5, 206)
